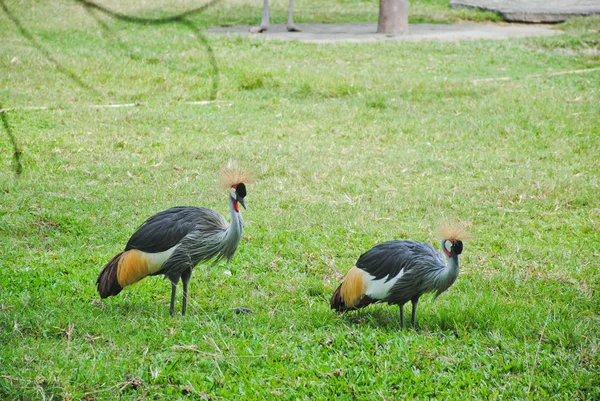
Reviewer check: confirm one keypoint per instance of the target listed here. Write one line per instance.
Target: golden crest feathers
(455, 230)
(233, 174)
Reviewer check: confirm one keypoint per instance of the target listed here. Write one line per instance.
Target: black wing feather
(389, 258)
(164, 230)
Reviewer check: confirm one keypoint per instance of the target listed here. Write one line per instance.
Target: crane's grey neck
(446, 277)
(234, 231)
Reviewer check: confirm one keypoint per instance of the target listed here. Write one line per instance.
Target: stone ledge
(536, 11)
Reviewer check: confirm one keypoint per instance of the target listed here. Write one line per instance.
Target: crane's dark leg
(414, 312)
(174, 281)
(185, 278)
(401, 316)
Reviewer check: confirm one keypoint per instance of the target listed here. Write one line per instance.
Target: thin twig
(545, 74)
(112, 106)
(218, 367)
(205, 102)
(9, 378)
(103, 106)
(195, 349)
(143, 20)
(13, 140)
(4, 110)
(111, 388)
(536, 352)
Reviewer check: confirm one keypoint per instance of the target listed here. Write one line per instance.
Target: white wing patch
(379, 289)
(156, 260)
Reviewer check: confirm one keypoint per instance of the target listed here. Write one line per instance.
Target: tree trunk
(393, 17)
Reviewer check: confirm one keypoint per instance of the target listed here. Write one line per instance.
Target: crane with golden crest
(400, 271)
(174, 241)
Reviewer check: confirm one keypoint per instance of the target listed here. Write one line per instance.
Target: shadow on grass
(136, 307)
(384, 318)
(429, 323)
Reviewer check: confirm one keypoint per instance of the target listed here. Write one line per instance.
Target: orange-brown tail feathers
(124, 269)
(351, 294)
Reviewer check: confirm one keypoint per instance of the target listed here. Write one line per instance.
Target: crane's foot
(293, 28)
(443, 336)
(241, 310)
(259, 29)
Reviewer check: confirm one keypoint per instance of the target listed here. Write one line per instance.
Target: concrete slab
(545, 11)
(365, 32)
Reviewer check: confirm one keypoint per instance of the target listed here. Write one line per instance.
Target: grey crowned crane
(400, 271)
(174, 241)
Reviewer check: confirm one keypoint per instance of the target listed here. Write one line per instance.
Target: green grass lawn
(353, 144)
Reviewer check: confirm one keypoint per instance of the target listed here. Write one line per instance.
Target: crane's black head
(238, 193)
(241, 190)
(458, 247)
(452, 247)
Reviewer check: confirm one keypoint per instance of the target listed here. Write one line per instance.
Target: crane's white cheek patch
(156, 260)
(379, 289)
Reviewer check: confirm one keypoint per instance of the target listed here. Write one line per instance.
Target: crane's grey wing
(166, 229)
(196, 247)
(388, 259)
(422, 265)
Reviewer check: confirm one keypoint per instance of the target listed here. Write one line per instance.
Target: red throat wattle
(235, 202)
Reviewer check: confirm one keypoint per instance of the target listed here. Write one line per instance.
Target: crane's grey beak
(241, 200)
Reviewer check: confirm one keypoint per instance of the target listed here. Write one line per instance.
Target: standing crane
(400, 271)
(264, 23)
(175, 240)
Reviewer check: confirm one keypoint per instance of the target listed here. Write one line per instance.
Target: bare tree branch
(16, 151)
